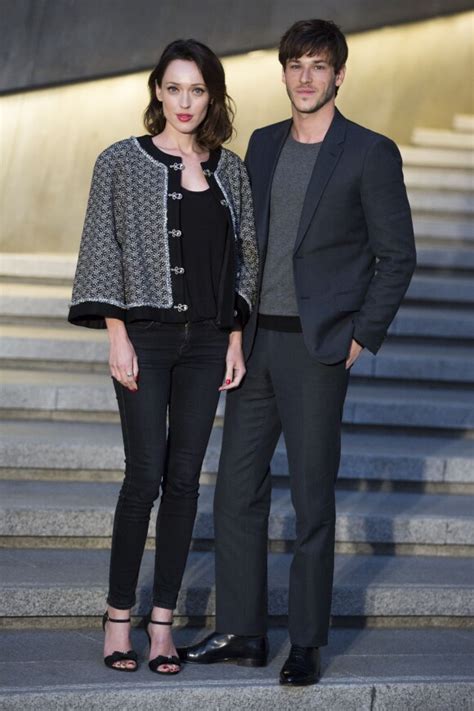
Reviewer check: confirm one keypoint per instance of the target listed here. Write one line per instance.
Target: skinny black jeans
(181, 367)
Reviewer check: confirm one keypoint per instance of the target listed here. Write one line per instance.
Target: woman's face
(184, 95)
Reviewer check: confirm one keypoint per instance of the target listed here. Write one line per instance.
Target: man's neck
(312, 128)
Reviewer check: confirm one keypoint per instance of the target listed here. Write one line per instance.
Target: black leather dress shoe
(303, 667)
(216, 647)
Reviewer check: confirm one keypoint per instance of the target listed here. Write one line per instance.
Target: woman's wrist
(235, 338)
(115, 328)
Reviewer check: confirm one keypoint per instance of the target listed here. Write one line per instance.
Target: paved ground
(361, 670)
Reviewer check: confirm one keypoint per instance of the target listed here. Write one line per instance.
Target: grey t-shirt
(290, 181)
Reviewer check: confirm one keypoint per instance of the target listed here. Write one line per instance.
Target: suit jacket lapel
(329, 154)
(276, 143)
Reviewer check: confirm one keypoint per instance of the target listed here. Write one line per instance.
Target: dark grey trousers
(284, 389)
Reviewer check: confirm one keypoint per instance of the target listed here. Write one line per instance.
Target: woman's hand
(123, 360)
(235, 363)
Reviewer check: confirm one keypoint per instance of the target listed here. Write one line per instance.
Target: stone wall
(398, 78)
(47, 42)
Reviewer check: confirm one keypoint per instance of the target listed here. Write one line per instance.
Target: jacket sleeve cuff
(367, 340)
(92, 314)
(237, 323)
(241, 312)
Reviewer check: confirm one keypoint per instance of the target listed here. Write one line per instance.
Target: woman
(168, 263)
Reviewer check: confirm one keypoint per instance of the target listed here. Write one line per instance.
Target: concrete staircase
(403, 606)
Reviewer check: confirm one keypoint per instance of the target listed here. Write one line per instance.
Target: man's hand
(355, 351)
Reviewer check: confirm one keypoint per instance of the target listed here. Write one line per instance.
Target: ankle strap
(158, 622)
(111, 619)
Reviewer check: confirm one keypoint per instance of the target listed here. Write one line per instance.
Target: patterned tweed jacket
(129, 259)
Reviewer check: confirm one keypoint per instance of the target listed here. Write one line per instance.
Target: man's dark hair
(314, 37)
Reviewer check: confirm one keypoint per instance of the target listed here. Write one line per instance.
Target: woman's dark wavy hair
(312, 37)
(217, 127)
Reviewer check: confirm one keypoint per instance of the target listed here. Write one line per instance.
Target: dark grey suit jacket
(354, 253)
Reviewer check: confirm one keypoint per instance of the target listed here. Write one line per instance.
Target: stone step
(441, 201)
(464, 122)
(445, 229)
(441, 289)
(60, 268)
(439, 323)
(73, 450)
(67, 347)
(441, 138)
(458, 258)
(414, 361)
(438, 178)
(41, 267)
(409, 406)
(40, 305)
(78, 349)
(436, 157)
(71, 583)
(56, 392)
(75, 394)
(50, 302)
(34, 300)
(362, 670)
(86, 509)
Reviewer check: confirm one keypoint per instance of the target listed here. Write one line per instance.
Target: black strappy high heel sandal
(161, 659)
(112, 659)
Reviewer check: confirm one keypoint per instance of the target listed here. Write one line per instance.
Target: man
(337, 254)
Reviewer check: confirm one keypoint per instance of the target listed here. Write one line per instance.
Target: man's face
(311, 82)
